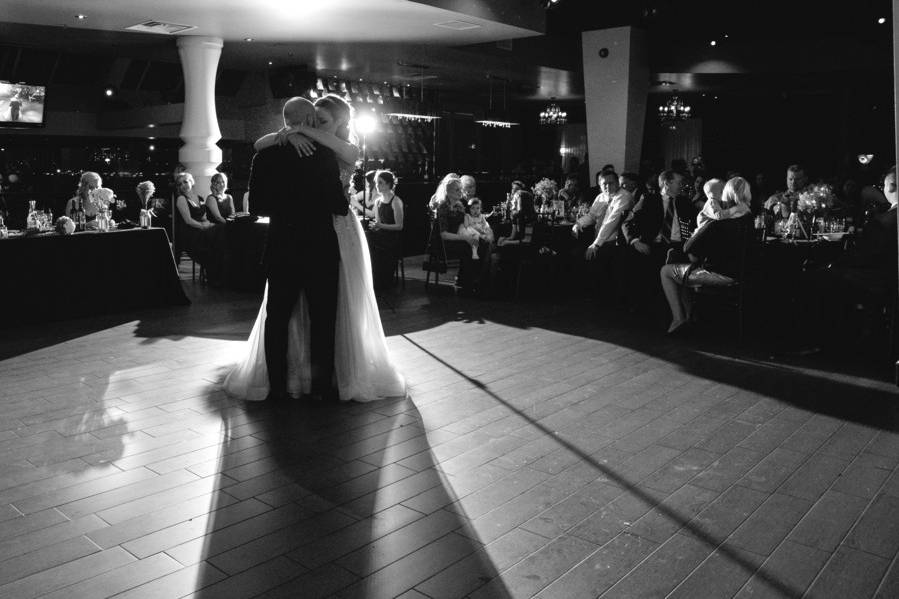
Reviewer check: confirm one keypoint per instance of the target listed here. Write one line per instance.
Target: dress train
(363, 370)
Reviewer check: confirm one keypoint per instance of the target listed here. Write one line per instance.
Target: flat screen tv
(21, 105)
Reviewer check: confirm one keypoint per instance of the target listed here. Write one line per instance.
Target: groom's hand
(303, 144)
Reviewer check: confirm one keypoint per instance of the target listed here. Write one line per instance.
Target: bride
(363, 370)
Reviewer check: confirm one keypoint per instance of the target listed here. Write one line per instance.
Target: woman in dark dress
(194, 233)
(219, 205)
(715, 251)
(450, 213)
(386, 232)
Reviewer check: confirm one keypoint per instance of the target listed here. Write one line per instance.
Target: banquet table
(55, 277)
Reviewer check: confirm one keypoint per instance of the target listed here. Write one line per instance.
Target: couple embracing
(318, 332)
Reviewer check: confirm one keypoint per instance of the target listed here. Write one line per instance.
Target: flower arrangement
(102, 197)
(65, 225)
(816, 199)
(547, 189)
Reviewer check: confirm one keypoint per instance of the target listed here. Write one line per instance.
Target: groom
(301, 252)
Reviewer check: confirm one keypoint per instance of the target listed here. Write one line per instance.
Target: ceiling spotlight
(109, 92)
(248, 39)
(713, 43)
(151, 147)
(365, 123)
(151, 126)
(881, 20)
(270, 63)
(865, 158)
(81, 17)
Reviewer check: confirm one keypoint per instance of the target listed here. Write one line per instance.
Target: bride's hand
(302, 143)
(283, 133)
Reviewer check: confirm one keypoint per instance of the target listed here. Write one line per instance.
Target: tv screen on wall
(21, 105)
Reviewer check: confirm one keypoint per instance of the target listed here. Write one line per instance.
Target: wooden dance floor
(548, 449)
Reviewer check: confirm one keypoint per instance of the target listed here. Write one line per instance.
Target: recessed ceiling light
(248, 39)
(109, 92)
(151, 147)
(713, 43)
(81, 17)
(726, 36)
(270, 63)
(881, 20)
(151, 126)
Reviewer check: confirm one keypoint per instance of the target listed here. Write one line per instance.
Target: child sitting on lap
(475, 227)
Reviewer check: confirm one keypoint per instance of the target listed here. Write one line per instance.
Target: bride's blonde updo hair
(341, 112)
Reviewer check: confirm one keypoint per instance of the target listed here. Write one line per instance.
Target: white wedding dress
(363, 370)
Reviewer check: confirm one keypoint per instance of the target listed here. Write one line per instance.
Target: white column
(616, 84)
(199, 126)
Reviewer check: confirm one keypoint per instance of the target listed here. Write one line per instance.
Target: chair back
(435, 259)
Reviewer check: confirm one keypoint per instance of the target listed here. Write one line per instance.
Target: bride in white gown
(363, 370)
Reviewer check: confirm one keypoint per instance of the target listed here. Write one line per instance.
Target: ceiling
(762, 45)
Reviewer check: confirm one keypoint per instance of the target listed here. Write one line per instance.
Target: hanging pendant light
(553, 115)
(674, 111)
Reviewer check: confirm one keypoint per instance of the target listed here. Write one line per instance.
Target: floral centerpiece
(814, 201)
(547, 190)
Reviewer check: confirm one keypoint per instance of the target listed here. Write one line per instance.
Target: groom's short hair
(297, 110)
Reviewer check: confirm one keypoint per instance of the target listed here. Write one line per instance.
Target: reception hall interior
(635, 265)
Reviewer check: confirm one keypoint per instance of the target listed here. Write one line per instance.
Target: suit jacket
(645, 220)
(876, 247)
(720, 244)
(300, 194)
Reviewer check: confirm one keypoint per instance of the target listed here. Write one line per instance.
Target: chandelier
(673, 111)
(553, 115)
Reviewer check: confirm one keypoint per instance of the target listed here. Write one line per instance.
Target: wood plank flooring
(550, 449)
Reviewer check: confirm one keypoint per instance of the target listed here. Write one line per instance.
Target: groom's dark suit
(301, 253)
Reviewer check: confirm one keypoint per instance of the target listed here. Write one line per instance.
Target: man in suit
(653, 228)
(301, 252)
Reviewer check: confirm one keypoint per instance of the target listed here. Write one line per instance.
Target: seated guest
(476, 224)
(365, 197)
(865, 276)
(450, 216)
(570, 193)
(782, 203)
(194, 233)
(698, 190)
(605, 215)
(357, 184)
(469, 188)
(219, 205)
(651, 230)
(631, 182)
(714, 251)
(88, 182)
(386, 236)
(432, 203)
(510, 249)
(713, 209)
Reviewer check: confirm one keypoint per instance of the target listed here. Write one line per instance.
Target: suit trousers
(313, 270)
